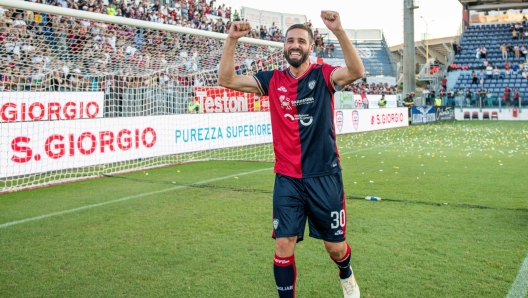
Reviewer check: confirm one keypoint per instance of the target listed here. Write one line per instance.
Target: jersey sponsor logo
(285, 102)
(275, 223)
(304, 101)
(311, 84)
(355, 119)
(282, 89)
(304, 119)
(339, 120)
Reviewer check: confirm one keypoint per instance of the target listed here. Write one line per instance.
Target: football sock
(345, 271)
(285, 275)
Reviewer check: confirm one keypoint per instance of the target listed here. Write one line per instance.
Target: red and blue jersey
(302, 120)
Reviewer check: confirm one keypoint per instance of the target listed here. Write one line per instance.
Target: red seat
(494, 115)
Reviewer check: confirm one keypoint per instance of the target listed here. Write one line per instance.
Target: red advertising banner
(224, 100)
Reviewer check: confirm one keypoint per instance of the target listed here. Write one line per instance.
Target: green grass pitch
(453, 222)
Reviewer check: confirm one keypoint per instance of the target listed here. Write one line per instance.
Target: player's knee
(285, 246)
(336, 250)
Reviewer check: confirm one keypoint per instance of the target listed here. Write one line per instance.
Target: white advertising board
(252, 15)
(267, 18)
(43, 146)
(362, 120)
(35, 147)
(42, 106)
(289, 19)
(511, 114)
(349, 100)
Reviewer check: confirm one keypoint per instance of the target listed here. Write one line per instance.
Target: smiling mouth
(295, 54)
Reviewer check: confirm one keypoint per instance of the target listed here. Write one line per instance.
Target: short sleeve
(328, 70)
(263, 80)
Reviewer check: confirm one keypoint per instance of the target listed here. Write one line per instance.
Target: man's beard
(297, 63)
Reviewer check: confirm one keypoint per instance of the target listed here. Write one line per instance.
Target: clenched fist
(239, 29)
(331, 20)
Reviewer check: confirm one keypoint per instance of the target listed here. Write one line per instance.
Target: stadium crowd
(47, 52)
(372, 88)
(51, 52)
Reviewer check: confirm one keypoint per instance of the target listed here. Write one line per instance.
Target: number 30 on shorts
(339, 219)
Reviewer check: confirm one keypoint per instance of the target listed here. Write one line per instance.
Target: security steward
(382, 103)
(409, 102)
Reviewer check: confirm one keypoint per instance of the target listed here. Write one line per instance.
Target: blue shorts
(321, 200)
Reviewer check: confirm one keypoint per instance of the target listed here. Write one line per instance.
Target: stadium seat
(466, 115)
(494, 115)
(475, 115)
(485, 115)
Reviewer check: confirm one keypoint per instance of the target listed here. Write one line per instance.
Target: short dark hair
(303, 27)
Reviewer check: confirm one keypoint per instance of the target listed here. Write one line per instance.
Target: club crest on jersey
(339, 120)
(275, 223)
(311, 84)
(282, 89)
(355, 119)
(285, 102)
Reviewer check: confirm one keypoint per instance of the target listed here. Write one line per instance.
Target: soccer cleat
(350, 287)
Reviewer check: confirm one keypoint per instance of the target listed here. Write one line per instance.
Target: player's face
(297, 47)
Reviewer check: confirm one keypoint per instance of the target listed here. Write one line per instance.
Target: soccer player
(308, 182)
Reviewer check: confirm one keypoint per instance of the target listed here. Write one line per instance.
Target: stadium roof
(437, 48)
(493, 4)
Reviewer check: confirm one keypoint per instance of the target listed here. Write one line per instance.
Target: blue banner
(423, 114)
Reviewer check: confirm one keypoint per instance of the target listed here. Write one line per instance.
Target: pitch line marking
(519, 289)
(8, 224)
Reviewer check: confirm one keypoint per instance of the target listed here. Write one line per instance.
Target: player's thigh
(289, 216)
(327, 208)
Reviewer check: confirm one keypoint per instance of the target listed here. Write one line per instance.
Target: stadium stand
(502, 72)
(372, 47)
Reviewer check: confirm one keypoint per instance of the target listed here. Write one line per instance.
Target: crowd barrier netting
(87, 94)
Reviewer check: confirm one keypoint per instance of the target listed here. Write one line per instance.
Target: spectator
(468, 98)
(474, 78)
(425, 94)
(515, 68)
(450, 98)
(483, 52)
(19, 23)
(507, 95)
(455, 48)
(481, 77)
(489, 96)
(504, 51)
(511, 50)
(482, 96)
(263, 32)
(442, 94)
(496, 72)
(516, 97)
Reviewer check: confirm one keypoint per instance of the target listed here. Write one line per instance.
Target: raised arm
(354, 67)
(226, 74)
